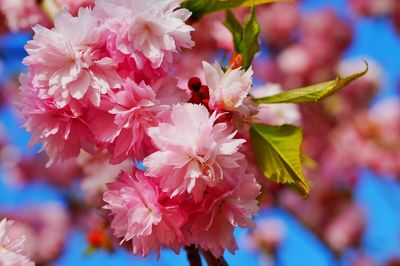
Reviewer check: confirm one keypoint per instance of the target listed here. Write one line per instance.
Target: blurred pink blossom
(97, 172)
(22, 14)
(346, 230)
(279, 23)
(12, 251)
(268, 235)
(372, 7)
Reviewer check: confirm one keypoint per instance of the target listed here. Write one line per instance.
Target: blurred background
(352, 216)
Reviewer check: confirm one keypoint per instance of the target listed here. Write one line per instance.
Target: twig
(193, 256)
(213, 261)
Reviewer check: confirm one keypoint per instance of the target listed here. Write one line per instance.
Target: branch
(213, 261)
(193, 255)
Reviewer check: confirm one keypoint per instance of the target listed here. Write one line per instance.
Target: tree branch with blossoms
(103, 81)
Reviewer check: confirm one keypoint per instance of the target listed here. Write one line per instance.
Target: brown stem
(193, 255)
(213, 261)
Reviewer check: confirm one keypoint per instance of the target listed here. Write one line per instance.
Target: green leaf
(250, 45)
(202, 7)
(235, 28)
(312, 93)
(245, 38)
(277, 152)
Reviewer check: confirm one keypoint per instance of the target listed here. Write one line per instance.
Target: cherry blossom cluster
(102, 82)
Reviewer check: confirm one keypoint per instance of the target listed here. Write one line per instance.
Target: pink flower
(227, 90)
(222, 210)
(134, 109)
(22, 14)
(63, 132)
(68, 62)
(12, 252)
(143, 215)
(268, 235)
(135, 112)
(150, 32)
(193, 151)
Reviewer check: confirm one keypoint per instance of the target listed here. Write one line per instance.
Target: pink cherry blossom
(132, 110)
(150, 32)
(12, 251)
(227, 90)
(63, 132)
(193, 151)
(68, 62)
(135, 112)
(143, 215)
(222, 210)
